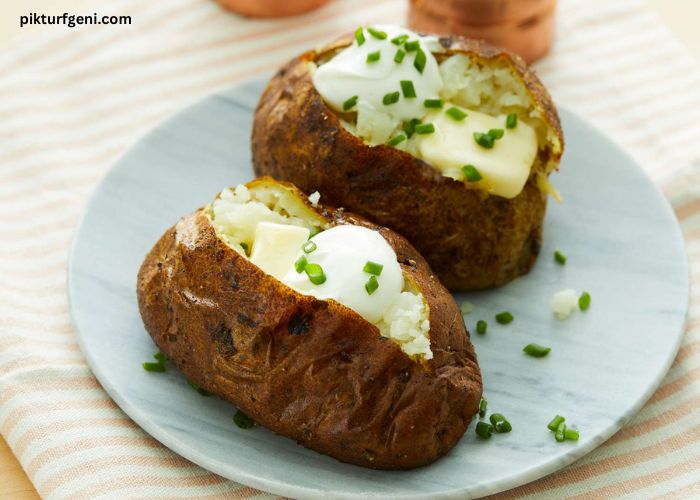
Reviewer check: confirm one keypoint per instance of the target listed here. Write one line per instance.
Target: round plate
(618, 232)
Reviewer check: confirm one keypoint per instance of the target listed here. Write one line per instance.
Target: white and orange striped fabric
(72, 101)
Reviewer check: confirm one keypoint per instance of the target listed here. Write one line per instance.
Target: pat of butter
(505, 168)
(276, 247)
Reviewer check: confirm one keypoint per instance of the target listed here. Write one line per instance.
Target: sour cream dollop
(349, 74)
(342, 252)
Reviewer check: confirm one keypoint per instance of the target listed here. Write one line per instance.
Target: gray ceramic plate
(623, 246)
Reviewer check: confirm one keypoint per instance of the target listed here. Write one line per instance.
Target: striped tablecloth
(72, 101)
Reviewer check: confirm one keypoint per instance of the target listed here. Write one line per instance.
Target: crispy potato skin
(471, 240)
(312, 370)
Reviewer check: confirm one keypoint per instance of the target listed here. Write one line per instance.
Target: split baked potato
(311, 369)
(476, 227)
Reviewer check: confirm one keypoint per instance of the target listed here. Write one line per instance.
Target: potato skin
(471, 240)
(312, 370)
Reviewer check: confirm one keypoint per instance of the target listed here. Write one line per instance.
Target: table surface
(680, 16)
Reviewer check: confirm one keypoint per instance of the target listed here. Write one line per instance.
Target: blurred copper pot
(525, 27)
(271, 8)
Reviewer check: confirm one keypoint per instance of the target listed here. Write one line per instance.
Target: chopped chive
(371, 285)
(391, 98)
(484, 140)
(560, 433)
(424, 128)
(433, 103)
(398, 57)
(315, 274)
(511, 120)
(584, 301)
(559, 257)
(396, 140)
(309, 246)
(536, 350)
(504, 317)
(300, 264)
(408, 89)
(412, 46)
(481, 326)
(245, 248)
(471, 173)
(373, 268)
(420, 60)
(374, 56)
(500, 424)
(456, 114)
(482, 407)
(202, 392)
(359, 36)
(379, 35)
(153, 367)
(410, 127)
(484, 430)
(399, 40)
(350, 103)
(552, 426)
(242, 420)
(160, 357)
(496, 133)
(571, 434)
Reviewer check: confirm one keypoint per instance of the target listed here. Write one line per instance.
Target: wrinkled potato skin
(312, 370)
(471, 240)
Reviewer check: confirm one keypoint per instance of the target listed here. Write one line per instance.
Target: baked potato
(468, 189)
(393, 393)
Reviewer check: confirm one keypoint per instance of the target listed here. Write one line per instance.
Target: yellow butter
(276, 247)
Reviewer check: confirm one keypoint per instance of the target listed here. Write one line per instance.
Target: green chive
(391, 98)
(153, 367)
(500, 424)
(371, 285)
(350, 103)
(400, 54)
(471, 173)
(552, 426)
(410, 127)
(536, 350)
(504, 317)
(245, 248)
(160, 357)
(379, 35)
(559, 257)
(300, 264)
(359, 36)
(374, 56)
(571, 434)
(484, 140)
(482, 407)
(420, 60)
(309, 246)
(399, 40)
(202, 392)
(481, 326)
(433, 103)
(511, 120)
(484, 430)
(412, 46)
(424, 128)
(315, 274)
(456, 114)
(496, 133)
(584, 301)
(242, 420)
(396, 140)
(373, 268)
(408, 89)
(560, 433)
